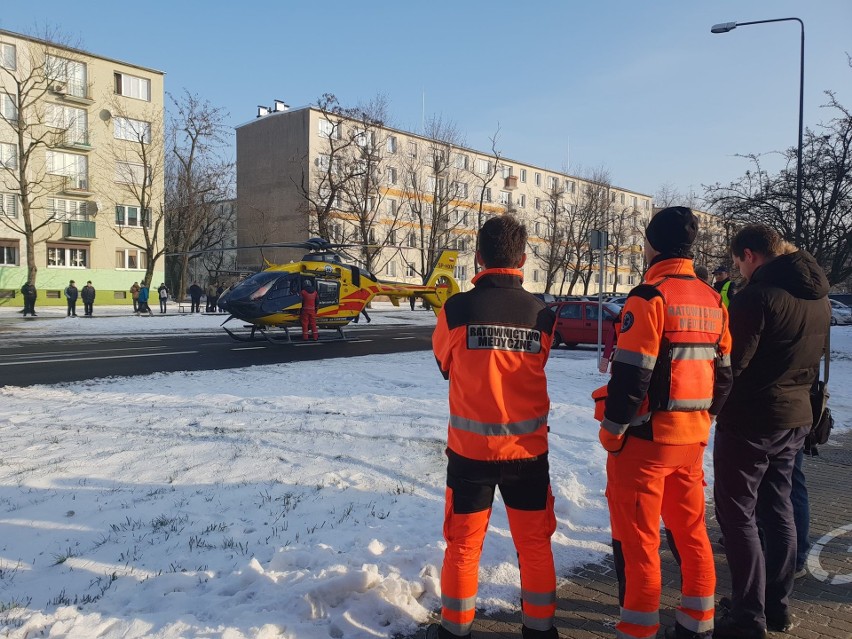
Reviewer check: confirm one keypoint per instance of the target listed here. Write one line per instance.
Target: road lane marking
(88, 359)
(247, 348)
(412, 337)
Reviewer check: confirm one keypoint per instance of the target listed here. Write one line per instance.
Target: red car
(577, 322)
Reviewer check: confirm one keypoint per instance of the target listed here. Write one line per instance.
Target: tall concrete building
(346, 176)
(81, 171)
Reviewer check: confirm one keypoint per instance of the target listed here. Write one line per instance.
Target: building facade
(81, 171)
(349, 178)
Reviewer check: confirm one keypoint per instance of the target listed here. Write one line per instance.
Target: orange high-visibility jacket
(672, 367)
(492, 344)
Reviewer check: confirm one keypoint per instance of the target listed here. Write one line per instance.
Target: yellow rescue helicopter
(272, 298)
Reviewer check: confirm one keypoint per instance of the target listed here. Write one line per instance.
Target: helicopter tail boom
(441, 281)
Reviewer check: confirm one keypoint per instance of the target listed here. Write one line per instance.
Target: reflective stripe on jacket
(492, 344)
(671, 369)
(726, 288)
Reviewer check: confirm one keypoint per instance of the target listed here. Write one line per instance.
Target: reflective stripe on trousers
(696, 613)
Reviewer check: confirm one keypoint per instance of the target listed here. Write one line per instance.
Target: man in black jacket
(779, 323)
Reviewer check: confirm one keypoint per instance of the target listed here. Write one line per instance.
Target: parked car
(577, 322)
(620, 300)
(547, 298)
(841, 315)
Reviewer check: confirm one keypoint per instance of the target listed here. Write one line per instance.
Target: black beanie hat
(672, 231)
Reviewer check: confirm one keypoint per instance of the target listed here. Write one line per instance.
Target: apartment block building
(81, 170)
(314, 171)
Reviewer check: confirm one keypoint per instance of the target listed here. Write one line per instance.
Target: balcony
(78, 230)
(76, 140)
(76, 185)
(72, 91)
(510, 182)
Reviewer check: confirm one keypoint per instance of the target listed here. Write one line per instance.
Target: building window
(391, 173)
(74, 122)
(523, 175)
(364, 138)
(412, 240)
(74, 167)
(67, 256)
(622, 198)
(66, 76)
(392, 237)
(8, 205)
(535, 274)
(460, 272)
(412, 149)
(504, 198)
(391, 144)
(392, 207)
(537, 204)
(7, 56)
(461, 189)
(522, 201)
(570, 186)
(409, 270)
(506, 171)
(614, 195)
(329, 129)
(645, 204)
(9, 252)
(131, 258)
(538, 230)
(9, 155)
(131, 86)
(483, 167)
(131, 216)
(64, 210)
(391, 269)
(134, 174)
(551, 183)
(460, 161)
(132, 130)
(634, 202)
(538, 179)
(8, 107)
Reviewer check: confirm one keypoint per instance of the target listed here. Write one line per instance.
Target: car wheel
(571, 345)
(834, 321)
(557, 340)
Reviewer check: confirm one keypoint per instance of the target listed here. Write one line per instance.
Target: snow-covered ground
(296, 500)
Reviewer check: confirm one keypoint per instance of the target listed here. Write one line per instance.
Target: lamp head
(723, 27)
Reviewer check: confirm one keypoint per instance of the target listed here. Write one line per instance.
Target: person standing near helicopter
(308, 314)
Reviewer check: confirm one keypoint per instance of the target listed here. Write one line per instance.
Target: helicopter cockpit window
(286, 286)
(254, 282)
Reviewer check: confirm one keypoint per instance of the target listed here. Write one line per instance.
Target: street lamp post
(724, 27)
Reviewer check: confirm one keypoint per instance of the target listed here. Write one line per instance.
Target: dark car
(577, 322)
(547, 298)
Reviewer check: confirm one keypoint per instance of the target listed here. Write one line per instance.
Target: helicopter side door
(329, 292)
(284, 293)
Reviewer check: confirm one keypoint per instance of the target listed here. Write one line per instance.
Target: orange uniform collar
(670, 266)
(514, 272)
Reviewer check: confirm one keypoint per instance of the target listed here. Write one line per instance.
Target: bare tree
(590, 212)
(552, 232)
(136, 165)
(435, 178)
(31, 128)
(483, 180)
(825, 226)
(198, 179)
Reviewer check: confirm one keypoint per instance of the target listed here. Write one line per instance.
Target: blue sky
(642, 89)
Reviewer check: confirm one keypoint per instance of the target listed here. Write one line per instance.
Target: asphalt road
(58, 360)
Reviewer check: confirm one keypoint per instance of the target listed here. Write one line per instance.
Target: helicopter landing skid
(266, 336)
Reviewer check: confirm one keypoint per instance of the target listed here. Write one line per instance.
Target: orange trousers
(309, 320)
(525, 488)
(645, 481)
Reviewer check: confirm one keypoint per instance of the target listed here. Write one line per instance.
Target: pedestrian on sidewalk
(134, 293)
(30, 294)
(779, 322)
(71, 295)
(144, 294)
(195, 292)
(163, 294)
(497, 433)
(87, 294)
(670, 376)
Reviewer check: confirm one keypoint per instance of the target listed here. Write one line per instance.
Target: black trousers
(195, 307)
(87, 307)
(29, 305)
(72, 308)
(753, 480)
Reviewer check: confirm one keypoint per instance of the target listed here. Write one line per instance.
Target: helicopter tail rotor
(442, 280)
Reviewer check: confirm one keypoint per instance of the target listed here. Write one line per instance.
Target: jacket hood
(798, 273)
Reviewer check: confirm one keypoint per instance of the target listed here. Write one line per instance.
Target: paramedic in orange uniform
(492, 344)
(671, 373)
(308, 314)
